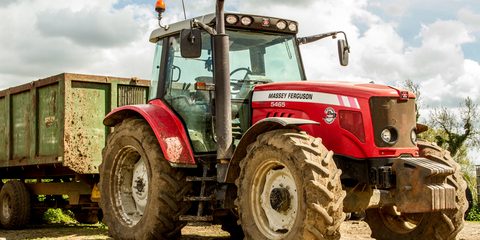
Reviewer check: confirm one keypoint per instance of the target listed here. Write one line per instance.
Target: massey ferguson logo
(330, 115)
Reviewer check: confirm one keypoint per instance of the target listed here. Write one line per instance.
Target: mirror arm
(205, 27)
(313, 38)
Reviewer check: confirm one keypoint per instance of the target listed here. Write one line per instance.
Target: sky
(434, 43)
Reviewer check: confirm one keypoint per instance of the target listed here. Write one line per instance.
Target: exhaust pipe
(223, 112)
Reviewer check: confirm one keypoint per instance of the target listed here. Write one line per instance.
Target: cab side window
(195, 107)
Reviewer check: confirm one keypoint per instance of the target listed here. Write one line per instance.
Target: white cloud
(43, 38)
(470, 18)
(396, 8)
(90, 27)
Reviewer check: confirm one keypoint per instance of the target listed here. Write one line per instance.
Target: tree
(459, 131)
(415, 88)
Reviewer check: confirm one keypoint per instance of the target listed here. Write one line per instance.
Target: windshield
(264, 57)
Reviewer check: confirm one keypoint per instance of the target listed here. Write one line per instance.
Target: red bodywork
(315, 101)
(168, 129)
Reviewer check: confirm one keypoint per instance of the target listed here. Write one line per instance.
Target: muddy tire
(386, 223)
(289, 188)
(141, 194)
(15, 207)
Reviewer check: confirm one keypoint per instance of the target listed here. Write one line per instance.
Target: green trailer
(51, 141)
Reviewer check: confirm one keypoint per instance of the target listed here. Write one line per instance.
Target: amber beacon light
(160, 6)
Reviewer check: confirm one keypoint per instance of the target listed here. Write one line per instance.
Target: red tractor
(265, 153)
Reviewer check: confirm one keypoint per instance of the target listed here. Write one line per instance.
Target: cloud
(44, 38)
(90, 27)
(396, 8)
(5, 3)
(470, 18)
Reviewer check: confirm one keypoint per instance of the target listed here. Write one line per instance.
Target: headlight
(281, 24)
(246, 21)
(413, 136)
(292, 27)
(389, 135)
(386, 135)
(231, 19)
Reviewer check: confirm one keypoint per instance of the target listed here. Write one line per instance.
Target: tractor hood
(360, 90)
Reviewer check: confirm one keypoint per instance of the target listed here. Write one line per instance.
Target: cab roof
(259, 23)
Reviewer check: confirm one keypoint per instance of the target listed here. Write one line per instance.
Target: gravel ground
(351, 230)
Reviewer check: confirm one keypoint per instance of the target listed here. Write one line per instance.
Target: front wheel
(388, 223)
(289, 188)
(141, 194)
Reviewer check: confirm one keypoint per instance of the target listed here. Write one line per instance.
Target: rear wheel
(289, 188)
(388, 223)
(141, 194)
(15, 205)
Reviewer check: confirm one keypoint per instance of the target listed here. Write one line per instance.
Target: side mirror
(343, 51)
(191, 43)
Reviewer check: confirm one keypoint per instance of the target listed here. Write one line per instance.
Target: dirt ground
(351, 230)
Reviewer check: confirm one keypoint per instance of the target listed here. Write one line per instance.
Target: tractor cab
(262, 50)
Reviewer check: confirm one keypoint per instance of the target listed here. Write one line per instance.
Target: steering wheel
(248, 71)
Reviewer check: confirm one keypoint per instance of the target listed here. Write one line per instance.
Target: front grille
(131, 95)
(279, 114)
(393, 113)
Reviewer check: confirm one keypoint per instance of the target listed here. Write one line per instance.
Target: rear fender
(262, 126)
(168, 129)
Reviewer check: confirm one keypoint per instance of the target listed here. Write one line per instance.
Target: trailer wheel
(289, 188)
(141, 194)
(15, 205)
(387, 223)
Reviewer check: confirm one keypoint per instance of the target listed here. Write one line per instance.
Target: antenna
(184, 12)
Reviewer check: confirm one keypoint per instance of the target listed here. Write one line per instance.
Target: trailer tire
(289, 188)
(15, 205)
(444, 225)
(133, 149)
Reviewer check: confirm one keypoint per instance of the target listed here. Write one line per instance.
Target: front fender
(250, 136)
(168, 129)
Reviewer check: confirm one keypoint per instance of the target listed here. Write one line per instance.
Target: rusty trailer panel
(58, 120)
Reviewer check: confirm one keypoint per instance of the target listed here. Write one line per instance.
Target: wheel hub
(278, 200)
(130, 185)
(140, 186)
